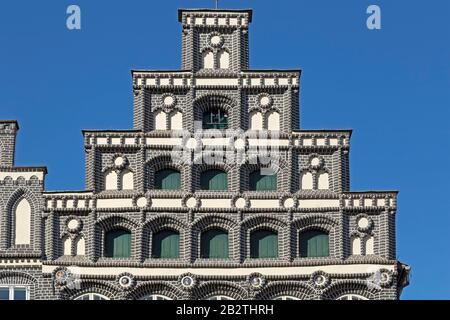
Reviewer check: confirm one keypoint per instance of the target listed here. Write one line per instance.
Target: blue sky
(391, 86)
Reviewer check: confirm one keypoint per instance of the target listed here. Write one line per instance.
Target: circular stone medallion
(141, 202)
(119, 161)
(289, 203)
(315, 162)
(169, 100)
(363, 223)
(264, 101)
(187, 281)
(191, 202)
(240, 203)
(216, 40)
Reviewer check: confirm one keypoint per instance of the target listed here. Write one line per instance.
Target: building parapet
(164, 138)
(246, 201)
(244, 79)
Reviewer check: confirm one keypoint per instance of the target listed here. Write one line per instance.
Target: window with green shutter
(264, 244)
(166, 244)
(314, 243)
(118, 244)
(215, 119)
(214, 244)
(214, 180)
(261, 182)
(167, 179)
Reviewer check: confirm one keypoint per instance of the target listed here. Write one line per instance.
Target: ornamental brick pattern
(65, 255)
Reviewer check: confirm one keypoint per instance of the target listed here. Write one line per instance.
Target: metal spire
(217, 4)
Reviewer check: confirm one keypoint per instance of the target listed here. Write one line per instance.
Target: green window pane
(168, 179)
(118, 244)
(264, 244)
(214, 180)
(214, 244)
(166, 245)
(260, 182)
(215, 119)
(314, 243)
(20, 294)
(4, 293)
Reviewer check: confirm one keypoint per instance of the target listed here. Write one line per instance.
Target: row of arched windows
(214, 244)
(170, 179)
(124, 180)
(213, 179)
(216, 119)
(210, 60)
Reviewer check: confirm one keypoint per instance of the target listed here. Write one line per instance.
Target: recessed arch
(127, 179)
(208, 59)
(110, 178)
(223, 59)
(306, 180)
(22, 223)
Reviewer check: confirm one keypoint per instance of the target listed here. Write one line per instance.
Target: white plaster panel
(114, 203)
(215, 203)
(22, 216)
(318, 203)
(102, 140)
(115, 141)
(263, 203)
(216, 81)
(166, 203)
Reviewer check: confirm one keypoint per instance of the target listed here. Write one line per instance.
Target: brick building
(216, 193)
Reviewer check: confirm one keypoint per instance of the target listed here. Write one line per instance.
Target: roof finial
(217, 4)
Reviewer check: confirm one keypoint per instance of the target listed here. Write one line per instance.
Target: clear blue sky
(391, 86)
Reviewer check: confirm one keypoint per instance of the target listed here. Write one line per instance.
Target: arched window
(314, 243)
(273, 121)
(262, 182)
(155, 297)
(127, 178)
(67, 246)
(160, 122)
(208, 59)
(91, 296)
(306, 181)
(256, 120)
(167, 179)
(370, 245)
(219, 298)
(356, 245)
(110, 180)
(286, 298)
(352, 297)
(323, 181)
(214, 179)
(118, 243)
(214, 244)
(80, 246)
(215, 119)
(166, 244)
(264, 244)
(22, 214)
(224, 59)
(176, 121)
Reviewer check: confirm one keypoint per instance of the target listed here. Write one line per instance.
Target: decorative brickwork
(63, 256)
